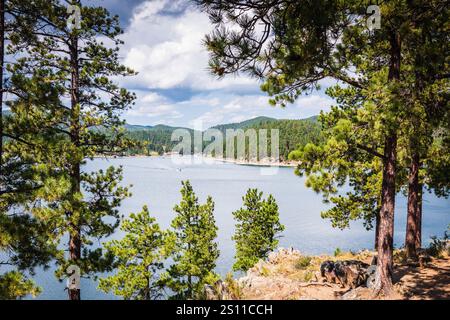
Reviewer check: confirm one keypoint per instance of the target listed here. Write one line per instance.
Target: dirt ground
(283, 277)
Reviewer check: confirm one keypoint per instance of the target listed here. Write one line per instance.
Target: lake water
(157, 181)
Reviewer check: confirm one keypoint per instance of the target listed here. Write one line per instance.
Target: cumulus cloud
(163, 42)
(207, 109)
(236, 108)
(152, 105)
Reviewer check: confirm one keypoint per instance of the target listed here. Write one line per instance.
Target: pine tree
(139, 258)
(257, 229)
(194, 250)
(77, 63)
(24, 240)
(14, 285)
(428, 110)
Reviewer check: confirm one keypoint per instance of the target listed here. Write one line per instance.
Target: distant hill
(244, 124)
(157, 138)
(313, 118)
(293, 133)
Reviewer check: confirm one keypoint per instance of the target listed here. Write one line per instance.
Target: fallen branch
(325, 284)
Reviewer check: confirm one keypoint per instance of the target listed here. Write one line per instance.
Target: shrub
(233, 286)
(265, 272)
(438, 246)
(337, 252)
(307, 276)
(400, 256)
(303, 263)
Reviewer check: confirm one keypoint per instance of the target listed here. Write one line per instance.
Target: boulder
(347, 273)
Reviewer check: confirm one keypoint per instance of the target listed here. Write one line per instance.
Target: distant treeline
(293, 134)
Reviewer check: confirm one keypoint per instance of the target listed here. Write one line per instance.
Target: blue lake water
(157, 181)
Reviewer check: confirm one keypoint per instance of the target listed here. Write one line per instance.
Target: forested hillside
(152, 138)
(293, 134)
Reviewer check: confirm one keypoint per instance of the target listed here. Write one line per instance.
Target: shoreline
(263, 163)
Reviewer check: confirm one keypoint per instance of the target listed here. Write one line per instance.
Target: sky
(163, 43)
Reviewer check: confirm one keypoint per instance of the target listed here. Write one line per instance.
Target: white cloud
(312, 104)
(153, 105)
(166, 49)
(163, 43)
(209, 109)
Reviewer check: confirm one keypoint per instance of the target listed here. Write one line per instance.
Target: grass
(265, 272)
(234, 286)
(307, 276)
(303, 263)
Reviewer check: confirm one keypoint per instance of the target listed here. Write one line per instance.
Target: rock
(257, 269)
(370, 282)
(348, 273)
(282, 254)
(355, 294)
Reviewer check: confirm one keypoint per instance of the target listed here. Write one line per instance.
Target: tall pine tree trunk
(383, 280)
(75, 234)
(412, 223)
(377, 230)
(418, 236)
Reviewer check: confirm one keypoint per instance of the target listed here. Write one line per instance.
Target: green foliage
(97, 215)
(193, 246)
(337, 252)
(233, 286)
(257, 229)
(68, 102)
(138, 256)
(25, 241)
(303, 262)
(153, 139)
(438, 247)
(13, 285)
(294, 134)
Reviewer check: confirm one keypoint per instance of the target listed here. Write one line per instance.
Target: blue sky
(163, 44)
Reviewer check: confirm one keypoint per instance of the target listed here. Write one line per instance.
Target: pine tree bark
(412, 223)
(383, 282)
(383, 279)
(75, 172)
(377, 230)
(418, 236)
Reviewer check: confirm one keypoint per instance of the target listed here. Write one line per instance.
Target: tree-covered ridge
(152, 138)
(294, 134)
(245, 124)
